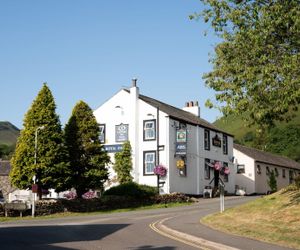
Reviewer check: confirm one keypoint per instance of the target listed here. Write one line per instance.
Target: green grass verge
(274, 218)
(70, 214)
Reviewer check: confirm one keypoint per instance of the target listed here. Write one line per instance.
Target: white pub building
(195, 153)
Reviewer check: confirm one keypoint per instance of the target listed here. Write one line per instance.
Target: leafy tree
(6, 151)
(87, 157)
(285, 141)
(51, 168)
(123, 164)
(272, 182)
(256, 65)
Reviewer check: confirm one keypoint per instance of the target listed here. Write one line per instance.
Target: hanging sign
(181, 142)
(216, 141)
(122, 132)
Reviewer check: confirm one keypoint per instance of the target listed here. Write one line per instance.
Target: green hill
(8, 133)
(283, 139)
(8, 138)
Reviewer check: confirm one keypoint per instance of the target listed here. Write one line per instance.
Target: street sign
(34, 188)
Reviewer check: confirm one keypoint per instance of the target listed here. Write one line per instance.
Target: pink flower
(160, 170)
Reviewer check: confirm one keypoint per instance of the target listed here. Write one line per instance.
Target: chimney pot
(187, 104)
(134, 80)
(191, 104)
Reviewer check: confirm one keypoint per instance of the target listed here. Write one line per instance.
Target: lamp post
(34, 178)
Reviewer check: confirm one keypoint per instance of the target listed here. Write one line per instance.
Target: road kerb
(188, 239)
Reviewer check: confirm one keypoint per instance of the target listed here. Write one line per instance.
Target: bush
(168, 198)
(132, 189)
(297, 181)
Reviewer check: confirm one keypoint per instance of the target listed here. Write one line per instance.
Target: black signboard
(216, 141)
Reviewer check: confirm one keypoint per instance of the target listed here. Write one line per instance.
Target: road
(146, 229)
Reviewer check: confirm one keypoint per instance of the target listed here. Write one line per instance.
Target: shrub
(132, 189)
(297, 181)
(168, 198)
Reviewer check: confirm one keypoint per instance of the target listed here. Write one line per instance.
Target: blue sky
(88, 50)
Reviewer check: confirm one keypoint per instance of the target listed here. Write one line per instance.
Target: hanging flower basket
(227, 170)
(160, 170)
(217, 165)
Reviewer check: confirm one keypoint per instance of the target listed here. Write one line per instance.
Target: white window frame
(149, 130)
(148, 161)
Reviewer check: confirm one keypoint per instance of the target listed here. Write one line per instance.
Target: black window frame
(283, 173)
(258, 169)
(225, 144)
(268, 171)
(144, 162)
(206, 169)
(206, 139)
(226, 176)
(144, 130)
(102, 125)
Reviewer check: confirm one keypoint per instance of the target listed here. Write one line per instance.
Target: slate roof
(180, 114)
(4, 168)
(268, 158)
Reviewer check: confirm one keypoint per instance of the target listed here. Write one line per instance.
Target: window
(149, 130)
(283, 173)
(240, 168)
(102, 133)
(225, 165)
(276, 172)
(206, 139)
(258, 169)
(291, 176)
(207, 169)
(225, 144)
(267, 170)
(149, 162)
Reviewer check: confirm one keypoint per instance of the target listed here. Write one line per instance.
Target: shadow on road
(42, 237)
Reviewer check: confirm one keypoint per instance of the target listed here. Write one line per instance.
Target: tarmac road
(168, 228)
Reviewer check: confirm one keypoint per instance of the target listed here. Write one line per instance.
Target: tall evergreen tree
(87, 157)
(123, 164)
(49, 161)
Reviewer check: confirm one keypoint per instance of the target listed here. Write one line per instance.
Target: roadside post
(221, 187)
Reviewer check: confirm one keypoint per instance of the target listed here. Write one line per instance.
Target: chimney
(134, 80)
(192, 107)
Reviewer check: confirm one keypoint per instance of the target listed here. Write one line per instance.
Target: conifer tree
(87, 157)
(123, 164)
(49, 161)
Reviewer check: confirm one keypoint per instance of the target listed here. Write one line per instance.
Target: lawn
(274, 218)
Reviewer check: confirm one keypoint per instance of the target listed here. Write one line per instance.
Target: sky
(89, 50)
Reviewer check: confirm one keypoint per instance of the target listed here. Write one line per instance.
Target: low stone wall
(47, 207)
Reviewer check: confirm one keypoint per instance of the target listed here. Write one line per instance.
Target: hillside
(283, 139)
(8, 133)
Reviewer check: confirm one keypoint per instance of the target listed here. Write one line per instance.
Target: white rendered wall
(246, 180)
